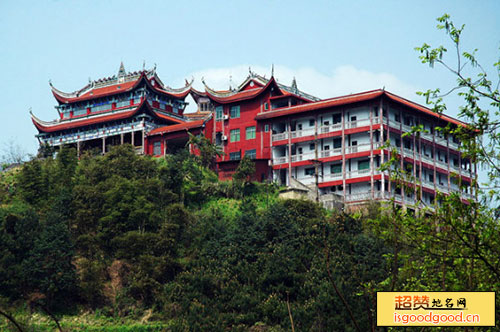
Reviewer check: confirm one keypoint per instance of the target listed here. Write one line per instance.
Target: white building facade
(339, 145)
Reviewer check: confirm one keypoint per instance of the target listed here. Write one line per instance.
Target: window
(336, 168)
(326, 147)
(102, 106)
(311, 123)
(235, 155)
(311, 146)
(363, 164)
(431, 177)
(79, 111)
(397, 118)
(252, 154)
(266, 128)
(398, 142)
(218, 139)
(309, 171)
(266, 106)
(337, 143)
(354, 143)
(354, 118)
(299, 126)
(337, 118)
(157, 148)
(235, 112)
(250, 132)
(219, 113)
(235, 135)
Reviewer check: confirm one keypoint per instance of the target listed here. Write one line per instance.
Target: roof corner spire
(272, 70)
(294, 85)
(121, 71)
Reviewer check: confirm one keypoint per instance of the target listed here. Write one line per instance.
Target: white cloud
(341, 81)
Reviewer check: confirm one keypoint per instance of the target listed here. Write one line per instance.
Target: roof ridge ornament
(121, 71)
(294, 85)
(272, 70)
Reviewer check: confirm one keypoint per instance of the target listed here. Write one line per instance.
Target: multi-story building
(335, 146)
(339, 145)
(113, 110)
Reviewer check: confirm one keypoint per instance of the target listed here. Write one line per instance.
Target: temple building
(333, 147)
(114, 110)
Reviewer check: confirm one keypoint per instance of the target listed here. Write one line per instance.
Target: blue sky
(331, 47)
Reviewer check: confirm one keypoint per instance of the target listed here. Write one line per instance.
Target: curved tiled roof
(231, 96)
(52, 126)
(113, 85)
(177, 127)
(350, 99)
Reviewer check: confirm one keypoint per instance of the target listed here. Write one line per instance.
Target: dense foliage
(124, 234)
(133, 236)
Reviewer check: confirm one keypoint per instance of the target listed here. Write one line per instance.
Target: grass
(85, 321)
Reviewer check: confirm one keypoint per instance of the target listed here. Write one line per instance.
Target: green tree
(48, 265)
(242, 177)
(455, 246)
(207, 150)
(480, 140)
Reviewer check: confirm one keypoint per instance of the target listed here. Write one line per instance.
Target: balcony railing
(442, 188)
(303, 156)
(359, 148)
(453, 145)
(357, 123)
(302, 133)
(330, 153)
(280, 160)
(331, 128)
(323, 129)
(426, 135)
(326, 153)
(358, 197)
(429, 160)
(332, 177)
(280, 136)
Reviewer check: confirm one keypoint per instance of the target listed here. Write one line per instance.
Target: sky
(331, 47)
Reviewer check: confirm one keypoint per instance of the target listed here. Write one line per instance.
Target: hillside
(125, 242)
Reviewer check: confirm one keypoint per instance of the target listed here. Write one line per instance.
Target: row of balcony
(362, 148)
(361, 123)
(324, 129)
(367, 172)
(365, 196)
(326, 153)
(409, 153)
(428, 136)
